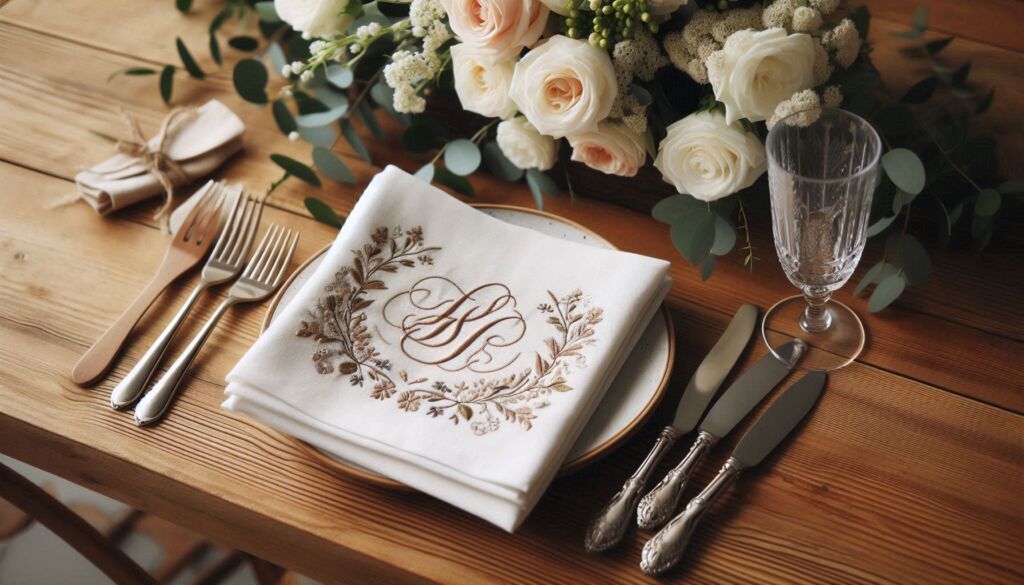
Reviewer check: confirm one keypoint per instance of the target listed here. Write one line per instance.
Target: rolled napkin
(191, 144)
(447, 349)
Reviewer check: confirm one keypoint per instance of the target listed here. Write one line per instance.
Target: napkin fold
(449, 350)
(198, 144)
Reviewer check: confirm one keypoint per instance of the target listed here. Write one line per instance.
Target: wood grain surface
(909, 471)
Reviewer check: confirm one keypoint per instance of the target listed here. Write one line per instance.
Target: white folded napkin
(447, 349)
(198, 144)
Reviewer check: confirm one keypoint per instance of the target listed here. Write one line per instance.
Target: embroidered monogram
(443, 325)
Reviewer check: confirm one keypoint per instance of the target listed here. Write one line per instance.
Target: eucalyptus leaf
(1011, 186)
(419, 138)
(322, 118)
(250, 78)
(183, 5)
(322, 212)
(955, 213)
(219, 20)
(462, 156)
(296, 169)
(355, 141)
(277, 58)
(382, 93)
(365, 112)
(186, 59)
(905, 170)
(694, 237)
(985, 102)
(167, 83)
(499, 165)
(332, 98)
(886, 291)
(960, 75)
(133, 72)
(914, 259)
(988, 203)
(340, 75)
(642, 95)
(215, 49)
(285, 122)
(873, 275)
(426, 173)
(453, 181)
(244, 43)
(331, 166)
(725, 237)
(543, 182)
(318, 135)
(267, 12)
(707, 267)
(879, 226)
(674, 208)
(921, 91)
(933, 47)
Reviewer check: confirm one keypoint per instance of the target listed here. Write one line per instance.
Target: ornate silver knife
(610, 525)
(665, 549)
(739, 399)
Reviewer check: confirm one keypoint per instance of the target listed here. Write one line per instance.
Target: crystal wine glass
(822, 172)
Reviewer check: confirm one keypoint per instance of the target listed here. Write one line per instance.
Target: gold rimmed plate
(632, 397)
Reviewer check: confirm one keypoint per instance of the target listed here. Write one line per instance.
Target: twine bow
(156, 160)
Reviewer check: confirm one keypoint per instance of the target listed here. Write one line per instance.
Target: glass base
(831, 349)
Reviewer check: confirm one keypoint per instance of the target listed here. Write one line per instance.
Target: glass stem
(816, 317)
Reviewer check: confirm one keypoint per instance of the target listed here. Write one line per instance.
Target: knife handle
(663, 551)
(662, 502)
(608, 528)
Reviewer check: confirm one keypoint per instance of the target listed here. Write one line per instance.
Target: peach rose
(498, 28)
(612, 149)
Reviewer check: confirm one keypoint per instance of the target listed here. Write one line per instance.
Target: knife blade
(666, 548)
(739, 399)
(608, 528)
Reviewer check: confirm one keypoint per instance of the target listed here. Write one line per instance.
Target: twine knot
(156, 159)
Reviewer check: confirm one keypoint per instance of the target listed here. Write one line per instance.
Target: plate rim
(587, 458)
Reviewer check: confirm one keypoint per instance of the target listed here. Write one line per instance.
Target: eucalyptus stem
(745, 226)
(273, 186)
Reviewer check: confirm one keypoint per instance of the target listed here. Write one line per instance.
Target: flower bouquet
(687, 88)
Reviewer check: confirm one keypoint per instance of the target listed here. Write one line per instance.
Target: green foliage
(244, 43)
(331, 166)
(499, 165)
(541, 184)
(250, 78)
(355, 140)
(462, 156)
(285, 122)
(132, 72)
(186, 59)
(167, 83)
(453, 181)
(322, 212)
(183, 5)
(296, 169)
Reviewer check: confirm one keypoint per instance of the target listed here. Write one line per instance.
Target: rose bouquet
(545, 86)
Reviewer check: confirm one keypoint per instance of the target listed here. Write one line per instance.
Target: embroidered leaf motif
(348, 368)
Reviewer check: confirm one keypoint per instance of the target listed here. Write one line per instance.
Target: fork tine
(271, 266)
(210, 223)
(230, 254)
(275, 248)
(260, 253)
(279, 271)
(229, 229)
(252, 226)
(188, 226)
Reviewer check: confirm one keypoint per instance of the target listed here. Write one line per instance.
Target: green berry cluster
(606, 22)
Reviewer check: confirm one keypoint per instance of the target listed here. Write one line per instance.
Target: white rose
(612, 149)
(500, 28)
(706, 157)
(524, 147)
(565, 86)
(318, 18)
(483, 83)
(754, 71)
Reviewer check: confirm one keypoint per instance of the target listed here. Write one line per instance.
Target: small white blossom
(806, 19)
(306, 76)
(844, 41)
(293, 136)
(286, 71)
(832, 96)
(306, 36)
(825, 6)
(355, 48)
(802, 101)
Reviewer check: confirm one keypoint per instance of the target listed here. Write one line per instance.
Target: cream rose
(498, 28)
(564, 86)
(524, 147)
(612, 149)
(754, 71)
(708, 158)
(316, 18)
(482, 83)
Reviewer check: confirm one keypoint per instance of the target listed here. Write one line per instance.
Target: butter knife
(608, 528)
(739, 399)
(666, 548)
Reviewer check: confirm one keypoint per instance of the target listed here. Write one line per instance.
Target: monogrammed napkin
(197, 142)
(447, 349)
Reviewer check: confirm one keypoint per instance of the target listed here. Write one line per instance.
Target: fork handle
(130, 388)
(98, 358)
(154, 404)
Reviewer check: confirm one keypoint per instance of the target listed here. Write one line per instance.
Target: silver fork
(224, 264)
(263, 274)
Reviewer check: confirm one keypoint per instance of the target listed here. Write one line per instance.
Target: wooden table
(910, 469)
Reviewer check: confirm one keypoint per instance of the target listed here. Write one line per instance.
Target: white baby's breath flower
(844, 41)
(286, 71)
(806, 19)
(754, 71)
(524, 146)
(306, 76)
(805, 101)
(315, 18)
(293, 136)
(832, 96)
(825, 6)
(704, 34)
(709, 159)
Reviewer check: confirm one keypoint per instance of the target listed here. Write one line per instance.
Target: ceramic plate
(630, 399)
